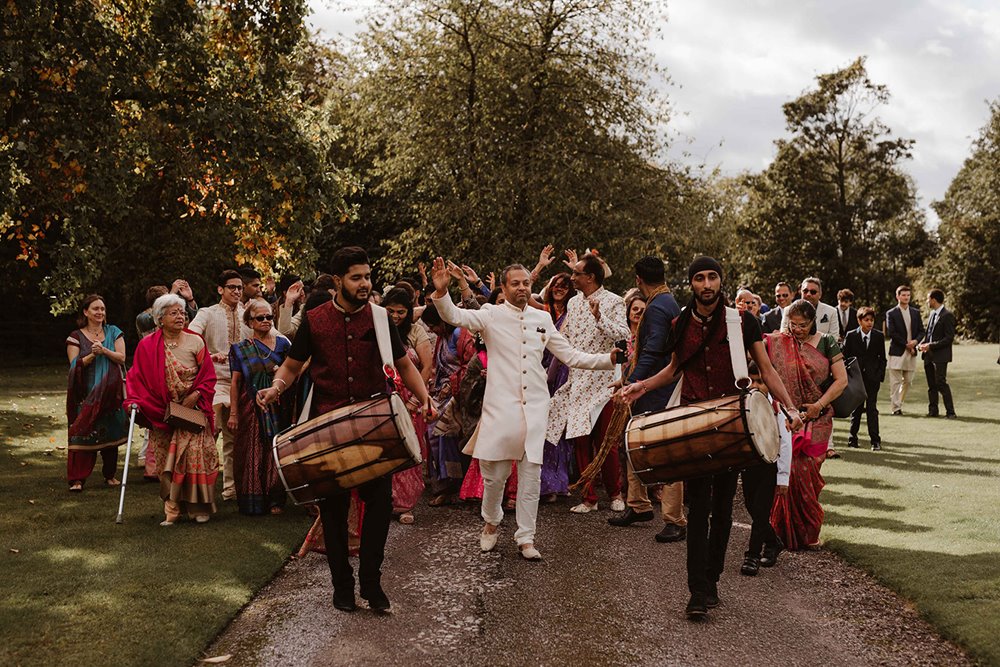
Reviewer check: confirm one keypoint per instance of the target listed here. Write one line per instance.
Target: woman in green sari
(97, 422)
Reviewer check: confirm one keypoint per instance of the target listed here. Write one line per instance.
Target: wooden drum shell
(702, 438)
(345, 448)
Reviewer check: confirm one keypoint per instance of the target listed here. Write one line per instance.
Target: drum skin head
(763, 426)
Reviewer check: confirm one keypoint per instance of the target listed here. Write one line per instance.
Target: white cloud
(735, 62)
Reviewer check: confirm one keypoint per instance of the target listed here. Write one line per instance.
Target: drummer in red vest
(339, 337)
(698, 347)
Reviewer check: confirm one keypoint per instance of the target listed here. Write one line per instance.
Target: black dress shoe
(629, 517)
(770, 556)
(344, 600)
(712, 599)
(852, 443)
(751, 564)
(378, 601)
(933, 414)
(671, 533)
(697, 606)
(897, 413)
(876, 447)
(951, 415)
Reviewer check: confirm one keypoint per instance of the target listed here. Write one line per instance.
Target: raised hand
(571, 259)
(491, 280)
(547, 256)
(295, 293)
(182, 289)
(440, 275)
(470, 274)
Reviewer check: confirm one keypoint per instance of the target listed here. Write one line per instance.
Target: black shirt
(302, 346)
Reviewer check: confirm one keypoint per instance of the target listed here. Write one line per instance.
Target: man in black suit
(904, 329)
(847, 314)
(867, 345)
(936, 349)
(771, 321)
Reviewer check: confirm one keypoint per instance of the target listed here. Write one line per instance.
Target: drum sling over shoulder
(350, 445)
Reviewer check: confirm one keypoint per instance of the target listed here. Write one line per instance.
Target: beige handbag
(186, 419)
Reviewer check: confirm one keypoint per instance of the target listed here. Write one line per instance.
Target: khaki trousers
(228, 447)
(899, 384)
(671, 502)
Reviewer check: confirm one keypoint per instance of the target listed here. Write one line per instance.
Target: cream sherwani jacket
(516, 404)
(210, 322)
(578, 403)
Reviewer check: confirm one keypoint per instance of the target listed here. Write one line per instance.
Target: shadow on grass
(880, 523)
(831, 497)
(863, 482)
(958, 594)
(915, 458)
(17, 424)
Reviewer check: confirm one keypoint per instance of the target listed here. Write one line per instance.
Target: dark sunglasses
(264, 318)
(810, 291)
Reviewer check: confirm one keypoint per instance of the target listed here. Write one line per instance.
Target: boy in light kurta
(516, 404)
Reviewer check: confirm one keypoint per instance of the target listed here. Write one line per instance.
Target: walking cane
(128, 454)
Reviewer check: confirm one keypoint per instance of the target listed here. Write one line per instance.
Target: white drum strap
(737, 353)
(381, 318)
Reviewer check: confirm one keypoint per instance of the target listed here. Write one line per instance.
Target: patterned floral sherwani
(578, 403)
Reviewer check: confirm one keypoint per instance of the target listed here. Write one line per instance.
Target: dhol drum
(345, 448)
(702, 438)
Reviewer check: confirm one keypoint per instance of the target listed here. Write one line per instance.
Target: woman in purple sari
(556, 458)
(253, 362)
(97, 422)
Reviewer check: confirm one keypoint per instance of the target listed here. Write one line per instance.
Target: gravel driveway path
(603, 596)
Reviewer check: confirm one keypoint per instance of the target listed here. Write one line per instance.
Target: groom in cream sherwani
(516, 404)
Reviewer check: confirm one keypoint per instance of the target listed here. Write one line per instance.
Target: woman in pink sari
(805, 361)
(172, 365)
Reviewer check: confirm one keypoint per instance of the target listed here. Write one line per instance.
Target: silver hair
(163, 303)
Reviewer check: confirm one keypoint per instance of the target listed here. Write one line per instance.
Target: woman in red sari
(805, 361)
(173, 365)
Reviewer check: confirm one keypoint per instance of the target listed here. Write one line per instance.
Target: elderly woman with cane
(172, 381)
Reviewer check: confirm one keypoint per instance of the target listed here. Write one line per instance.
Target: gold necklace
(173, 345)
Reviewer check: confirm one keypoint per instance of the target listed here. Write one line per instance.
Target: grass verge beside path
(923, 515)
(83, 590)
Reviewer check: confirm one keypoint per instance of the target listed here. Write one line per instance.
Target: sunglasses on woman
(264, 318)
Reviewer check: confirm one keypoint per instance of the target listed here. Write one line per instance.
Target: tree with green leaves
(967, 267)
(147, 139)
(484, 130)
(836, 202)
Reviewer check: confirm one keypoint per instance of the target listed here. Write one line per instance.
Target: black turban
(704, 263)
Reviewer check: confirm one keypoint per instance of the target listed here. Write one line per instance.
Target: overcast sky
(733, 63)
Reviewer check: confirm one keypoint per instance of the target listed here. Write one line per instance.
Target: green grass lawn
(82, 590)
(924, 514)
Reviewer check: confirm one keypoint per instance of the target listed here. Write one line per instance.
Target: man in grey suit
(936, 350)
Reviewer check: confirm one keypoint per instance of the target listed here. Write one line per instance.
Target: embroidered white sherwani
(214, 323)
(578, 403)
(516, 404)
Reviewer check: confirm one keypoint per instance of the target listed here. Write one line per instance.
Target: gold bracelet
(282, 382)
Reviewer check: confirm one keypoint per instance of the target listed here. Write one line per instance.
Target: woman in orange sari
(805, 361)
(172, 365)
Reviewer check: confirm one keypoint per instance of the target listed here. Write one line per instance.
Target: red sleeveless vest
(708, 372)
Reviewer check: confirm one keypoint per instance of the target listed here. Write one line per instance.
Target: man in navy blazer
(936, 349)
(651, 358)
(905, 330)
(867, 345)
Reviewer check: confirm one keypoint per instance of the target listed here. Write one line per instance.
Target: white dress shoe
(487, 541)
(583, 508)
(530, 553)
(617, 505)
